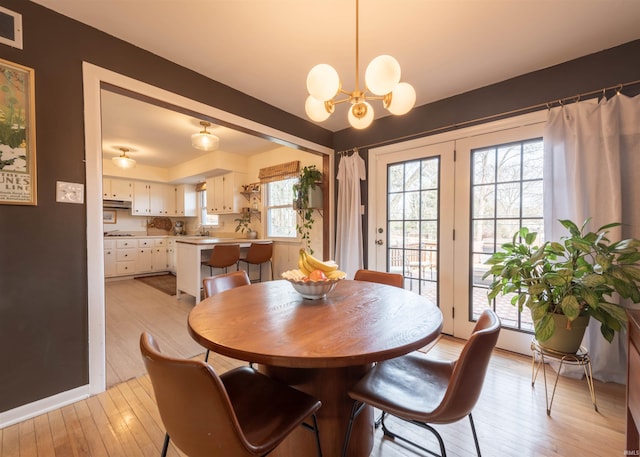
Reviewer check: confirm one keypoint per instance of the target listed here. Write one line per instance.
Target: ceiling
(160, 137)
(265, 48)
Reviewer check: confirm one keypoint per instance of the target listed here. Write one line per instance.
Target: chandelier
(204, 140)
(382, 82)
(124, 161)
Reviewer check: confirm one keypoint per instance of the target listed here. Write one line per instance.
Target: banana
(302, 266)
(336, 274)
(316, 264)
(307, 265)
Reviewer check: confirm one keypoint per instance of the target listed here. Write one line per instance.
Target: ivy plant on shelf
(310, 178)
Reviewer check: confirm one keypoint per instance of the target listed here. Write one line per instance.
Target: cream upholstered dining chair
(422, 390)
(215, 284)
(223, 256)
(238, 413)
(381, 277)
(257, 254)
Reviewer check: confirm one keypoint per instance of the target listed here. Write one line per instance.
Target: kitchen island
(189, 260)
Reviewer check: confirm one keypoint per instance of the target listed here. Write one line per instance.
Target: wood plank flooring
(133, 307)
(510, 416)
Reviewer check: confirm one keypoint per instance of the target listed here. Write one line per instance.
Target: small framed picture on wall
(109, 216)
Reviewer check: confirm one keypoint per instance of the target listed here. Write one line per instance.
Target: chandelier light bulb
(403, 98)
(316, 110)
(323, 82)
(360, 115)
(382, 74)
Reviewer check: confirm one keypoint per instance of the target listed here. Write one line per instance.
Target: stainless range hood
(116, 204)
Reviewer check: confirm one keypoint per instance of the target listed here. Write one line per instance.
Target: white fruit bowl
(314, 290)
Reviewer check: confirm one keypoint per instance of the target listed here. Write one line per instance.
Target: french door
(441, 205)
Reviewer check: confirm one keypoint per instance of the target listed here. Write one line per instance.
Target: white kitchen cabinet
(117, 189)
(159, 255)
(223, 193)
(109, 258)
(171, 254)
(151, 255)
(149, 199)
(185, 198)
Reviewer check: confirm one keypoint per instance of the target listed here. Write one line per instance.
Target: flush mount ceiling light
(204, 140)
(382, 79)
(123, 161)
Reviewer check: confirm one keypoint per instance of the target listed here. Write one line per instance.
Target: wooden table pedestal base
(329, 385)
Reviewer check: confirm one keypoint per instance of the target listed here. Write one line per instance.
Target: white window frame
(205, 219)
(267, 210)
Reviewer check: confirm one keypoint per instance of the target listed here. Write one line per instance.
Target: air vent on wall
(10, 28)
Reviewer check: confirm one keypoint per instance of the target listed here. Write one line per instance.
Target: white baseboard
(24, 412)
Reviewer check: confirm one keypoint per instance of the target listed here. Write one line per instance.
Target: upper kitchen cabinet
(117, 189)
(223, 193)
(150, 199)
(185, 199)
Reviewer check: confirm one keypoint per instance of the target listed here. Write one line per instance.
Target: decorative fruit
(317, 275)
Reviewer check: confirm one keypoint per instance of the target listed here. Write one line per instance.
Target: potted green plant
(244, 225)
(562, 282)
(305, 201)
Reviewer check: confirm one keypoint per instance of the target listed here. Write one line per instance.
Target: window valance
(280, 171)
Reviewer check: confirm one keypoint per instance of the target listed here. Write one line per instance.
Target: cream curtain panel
(349, 250)
(280, 172)
(592, 169)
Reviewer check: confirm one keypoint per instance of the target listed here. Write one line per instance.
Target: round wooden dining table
(322, 347)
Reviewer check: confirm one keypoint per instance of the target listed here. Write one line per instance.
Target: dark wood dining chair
(381, 277)
(422, 390)
(257, 254)
(238, 413)
(223, 256)
(215, 284)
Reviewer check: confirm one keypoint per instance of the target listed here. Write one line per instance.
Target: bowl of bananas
(314, 279)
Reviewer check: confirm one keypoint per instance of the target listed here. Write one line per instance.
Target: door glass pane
(506, 188)
(412, 226)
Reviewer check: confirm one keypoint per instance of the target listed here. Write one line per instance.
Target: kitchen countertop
(200, 240)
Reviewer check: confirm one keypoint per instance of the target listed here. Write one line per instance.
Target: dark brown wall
(590, 73)
(43, 280)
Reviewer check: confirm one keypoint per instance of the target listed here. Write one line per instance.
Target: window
(281, 217)
(506, 194)
(204, 219)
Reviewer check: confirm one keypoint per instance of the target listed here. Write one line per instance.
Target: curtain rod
(548, 105)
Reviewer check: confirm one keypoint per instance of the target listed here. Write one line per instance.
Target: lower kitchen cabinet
(135, 256)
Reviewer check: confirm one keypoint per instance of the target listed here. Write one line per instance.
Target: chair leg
(475, 436)
(165, 446)
(390, 434)
(355, 411)
(314, 428)
(206, 356)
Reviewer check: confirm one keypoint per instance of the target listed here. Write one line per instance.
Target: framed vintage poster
(17, 135)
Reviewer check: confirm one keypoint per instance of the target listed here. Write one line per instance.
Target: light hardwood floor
(510, 416)
(133, 307)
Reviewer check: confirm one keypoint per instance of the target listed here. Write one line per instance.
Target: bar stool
(223, 256)
(257, 254)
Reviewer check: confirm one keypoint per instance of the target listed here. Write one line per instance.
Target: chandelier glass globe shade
(361, 122)
(315, 109)
(382, 74)
(403, 98)
(323, 82)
